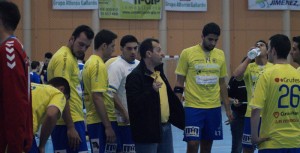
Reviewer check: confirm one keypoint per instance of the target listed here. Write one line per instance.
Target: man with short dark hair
(201, 73)
(48, 103)
(69, 133)
(152, 105)
(15, 105)
(249, 72)
(295, 52)
(117, 73)
(34, 76)
(101, 117)
(43, 73)
(276, 98)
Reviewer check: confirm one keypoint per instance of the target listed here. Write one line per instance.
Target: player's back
(44, 96)
(277, 92)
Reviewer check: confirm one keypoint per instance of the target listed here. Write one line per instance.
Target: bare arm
(49, 123)
(179, 83)
(225, 99)
(73, 136)
(240, 70)
(98, 101)
(121, 108)
(255, 117)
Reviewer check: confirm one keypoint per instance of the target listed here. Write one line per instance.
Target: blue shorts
(285, 150)
(203, 124)
(98, 138)
(60, 139)
(126, 141)
(246, 141)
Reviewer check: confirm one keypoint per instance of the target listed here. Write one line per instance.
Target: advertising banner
(186, 5)
(274, 4)
(75, 4)
(130, 9)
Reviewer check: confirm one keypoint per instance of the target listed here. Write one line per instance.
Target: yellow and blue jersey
(44, 96)
(64, 64)
(250, 77)
(202, 71)
(95, 79)
(277, 95)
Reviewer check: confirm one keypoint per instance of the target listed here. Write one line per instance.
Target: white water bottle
(253, 53)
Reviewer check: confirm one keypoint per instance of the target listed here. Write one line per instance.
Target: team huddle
(125, 104)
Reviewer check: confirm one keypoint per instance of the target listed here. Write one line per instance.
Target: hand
(27, 143)
(258, 140)
(236, 103)
(41, 149)
(229, 116)
(41, 63)
(126, 118)
(110, 135)
(253, 53)
(73, 138)
(156, 85)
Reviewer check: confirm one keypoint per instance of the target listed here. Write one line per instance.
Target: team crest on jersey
(202, 60)
(191, 131)
(214, 60)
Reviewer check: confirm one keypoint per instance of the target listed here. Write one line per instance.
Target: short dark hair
(34, 64)
(60, 81)
(83, 28)
(104, 36)
(146, 45)
(281, 43)
(48, 55)
(297, 40)
(127, 39)
(211, 28)
(262, 41)
(10, 15)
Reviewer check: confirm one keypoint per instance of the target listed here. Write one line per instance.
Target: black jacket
(144, 105)
(237, 90)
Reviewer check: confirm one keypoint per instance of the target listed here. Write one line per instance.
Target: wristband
(178, 90)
